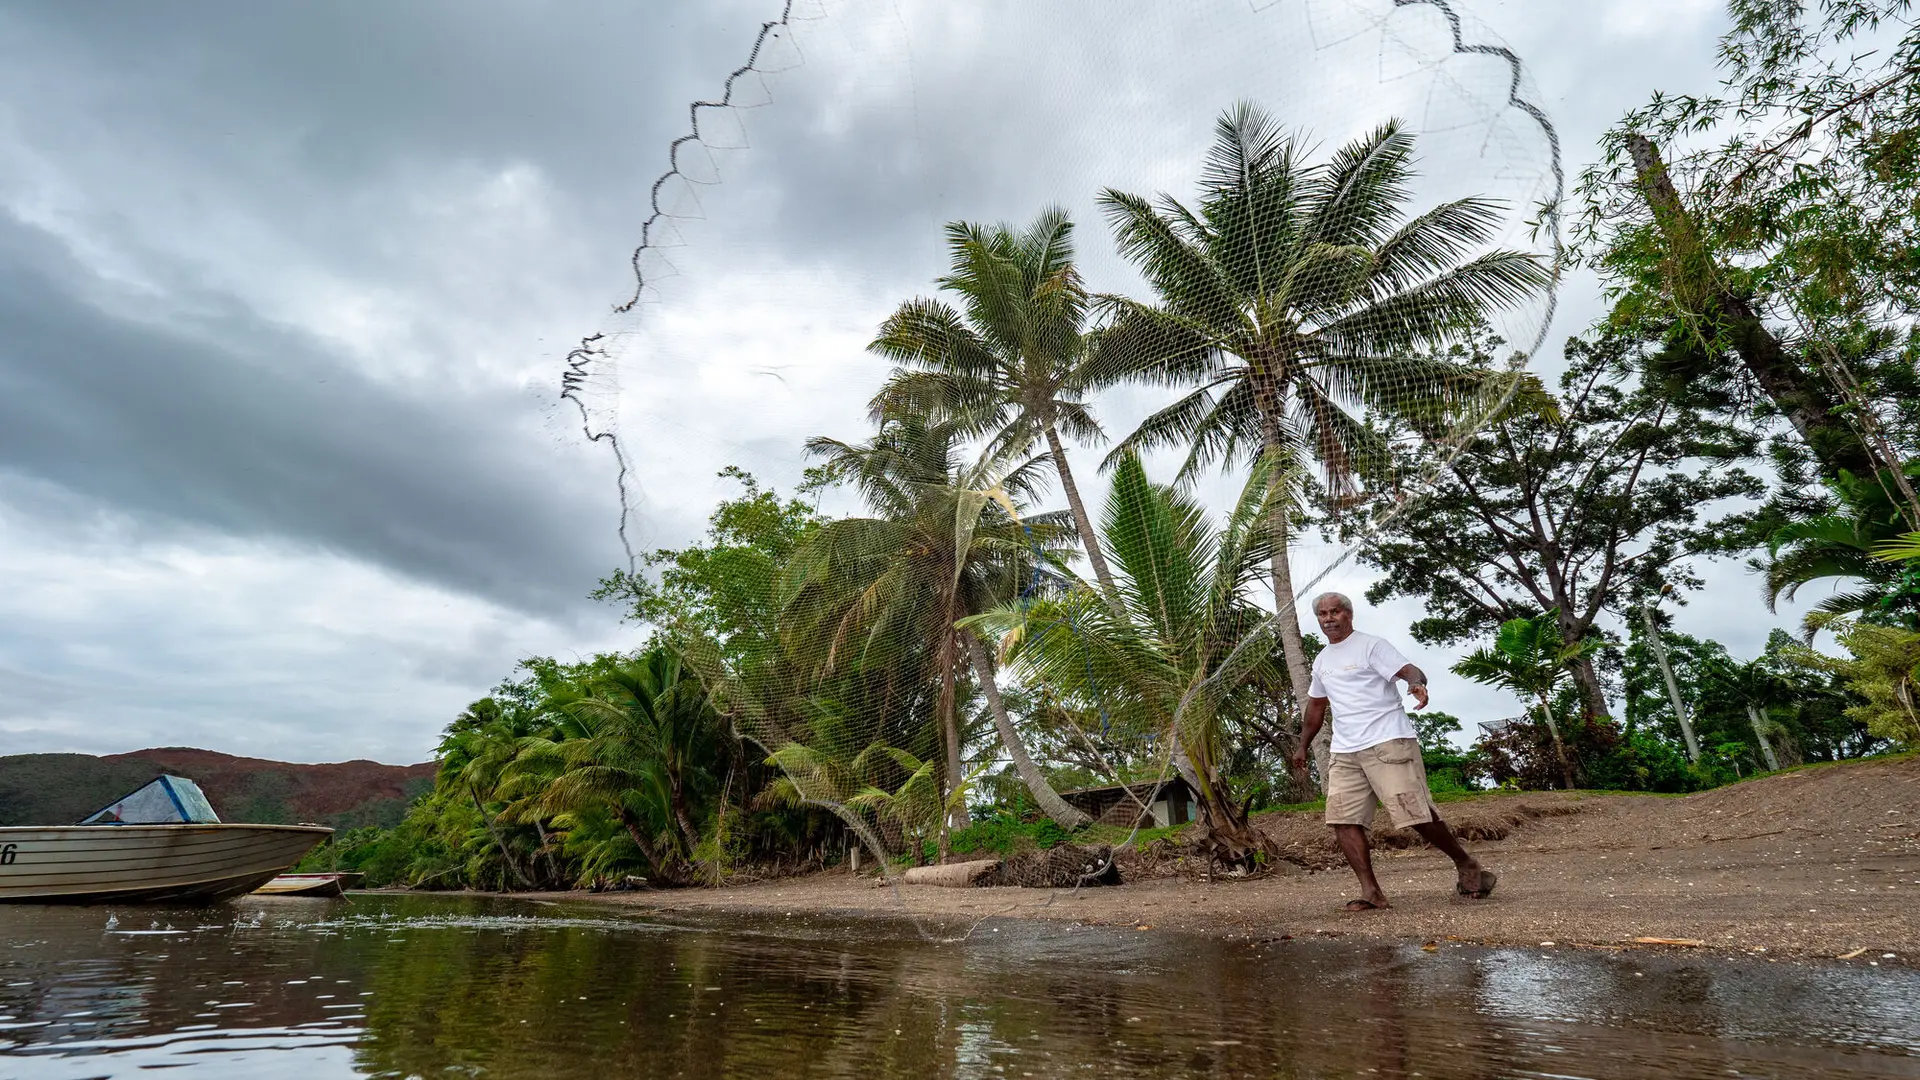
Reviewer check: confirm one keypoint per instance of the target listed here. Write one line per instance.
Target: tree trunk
(1088, 540)
(1050, 801)
(956, 816)
(863, 831)
(546, 848)
(1223, 833)
(1098, 560)
(1698, 284)
(1593, 699)
(1293, 645)
(964, 875)
(677, 796)
(641, 842)
(505, 855)
(1559, 747)
(1673, 684)
(1760, 732)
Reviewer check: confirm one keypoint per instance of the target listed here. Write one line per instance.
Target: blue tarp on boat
(167, 800)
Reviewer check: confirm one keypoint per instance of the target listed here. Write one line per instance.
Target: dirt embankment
(1822, 862)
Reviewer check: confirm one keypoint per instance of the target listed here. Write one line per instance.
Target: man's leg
(1395, 770)
(1353, 844)
(1439, 835)
(1350, 811)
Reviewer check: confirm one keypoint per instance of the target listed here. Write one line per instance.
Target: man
(1376, 754)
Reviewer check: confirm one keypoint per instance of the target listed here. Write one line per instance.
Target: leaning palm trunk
(682, 816)
(956, 816)
(1760, 732)
(1088, 539)
(640, 841)
(1293, 645)
(1559, 747)
(1050, 801)
(1097, 559)
(860, 828)
(505, 856)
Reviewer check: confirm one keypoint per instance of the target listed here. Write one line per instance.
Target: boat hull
(91, 864)
(309, 884)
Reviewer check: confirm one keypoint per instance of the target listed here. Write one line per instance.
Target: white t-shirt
(1356, 678)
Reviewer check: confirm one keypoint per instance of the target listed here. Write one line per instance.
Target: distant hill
(59, 789)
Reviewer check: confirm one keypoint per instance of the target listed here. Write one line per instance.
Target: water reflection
(424, 986)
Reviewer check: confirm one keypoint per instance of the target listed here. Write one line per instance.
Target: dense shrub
(1002, 831)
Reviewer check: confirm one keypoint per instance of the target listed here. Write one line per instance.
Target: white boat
(162, 843)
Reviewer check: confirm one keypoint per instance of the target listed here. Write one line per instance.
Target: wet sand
(1816, 863)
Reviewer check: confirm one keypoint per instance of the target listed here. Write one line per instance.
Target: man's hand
(1419, 692)
(1316, 715)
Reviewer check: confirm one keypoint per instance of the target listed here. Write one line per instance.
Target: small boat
(335, 883)
(160, 844)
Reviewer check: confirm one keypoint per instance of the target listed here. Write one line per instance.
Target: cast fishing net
(1293, 252)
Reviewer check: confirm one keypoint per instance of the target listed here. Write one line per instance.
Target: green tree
(1185, 648)
(475, 754)
(1883, 669)
(641, 741)
(723, 587)
(1769, 249)
(1530, 659)
(1571, 503)
(1011, 363)
(1294, 293)
(1848, 543)
(944, 542)
(1755, 688)
(1803, 707)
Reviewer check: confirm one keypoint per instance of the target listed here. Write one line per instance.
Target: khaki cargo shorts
(1391, 772)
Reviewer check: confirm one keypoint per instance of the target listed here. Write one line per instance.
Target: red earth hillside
(242, 788)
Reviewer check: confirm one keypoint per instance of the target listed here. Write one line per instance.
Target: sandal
(1364, 905)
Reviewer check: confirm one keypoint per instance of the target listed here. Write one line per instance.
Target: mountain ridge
(59, 789)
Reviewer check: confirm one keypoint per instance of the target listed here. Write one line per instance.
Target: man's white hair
(1346, 605)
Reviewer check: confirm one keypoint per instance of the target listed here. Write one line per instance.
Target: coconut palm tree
(1757, 688)
(475, 754)
(1529, 658)
(1294, 293)
(1011, 362)
(1866, 539)
(944, 543)
(1184, 648)
(640, 740)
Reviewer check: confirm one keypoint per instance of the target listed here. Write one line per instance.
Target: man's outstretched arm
(1416, 684)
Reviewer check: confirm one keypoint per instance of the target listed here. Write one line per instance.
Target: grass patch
(1114, 836)
(999, 835)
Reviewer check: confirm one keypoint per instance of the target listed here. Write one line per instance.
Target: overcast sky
(284, 290)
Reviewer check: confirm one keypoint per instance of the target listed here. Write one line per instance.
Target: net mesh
(1264, 265)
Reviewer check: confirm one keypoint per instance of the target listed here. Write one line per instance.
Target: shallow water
(424, 986)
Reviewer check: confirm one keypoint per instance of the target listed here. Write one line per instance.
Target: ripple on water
(435, 986)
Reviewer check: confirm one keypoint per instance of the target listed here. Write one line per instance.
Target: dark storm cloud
(312, 126)
(228, 422)
(342, 89)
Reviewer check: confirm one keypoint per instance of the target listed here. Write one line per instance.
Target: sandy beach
(1822, 862)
